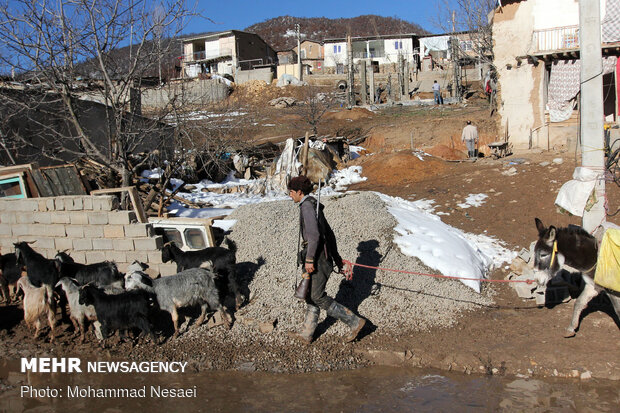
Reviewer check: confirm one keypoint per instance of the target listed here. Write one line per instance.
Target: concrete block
(84, 244)
(68, 203)
(25, 218)
(122, 266)
(103, 244)
(122, 217)
(114, 231)
(93, 231)
(75, 231)
(42, 205)
(522, 289)
(525, 255)
(79, 218)
(154, 257)
(77, 203)
(44, 243)
(87, 203)
(116, 256)
(62, 244)
(47, 253)
(55, 230)
(29, 205)
(97, 218)
(149, 244)
(20, 229)
(60, 217)
(137, 256)
(50, 204)
(78, 256)
(104, 203)
(59, 203)
(139, 230)
(167, 269)
(123, 245)
(5, 230)
(8, 217)
(93, 257)
(42, 217)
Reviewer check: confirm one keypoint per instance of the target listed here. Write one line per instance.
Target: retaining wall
(90, 228)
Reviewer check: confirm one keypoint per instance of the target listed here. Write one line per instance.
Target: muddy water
(376, 389)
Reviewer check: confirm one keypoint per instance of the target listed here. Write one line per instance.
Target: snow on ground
(420, 232)
(473, 200)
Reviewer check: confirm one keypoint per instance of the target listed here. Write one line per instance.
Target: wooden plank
(43, 186)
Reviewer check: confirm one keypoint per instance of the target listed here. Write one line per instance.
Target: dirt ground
(513, 337)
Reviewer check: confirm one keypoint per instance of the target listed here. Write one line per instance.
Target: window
(12, 188)
(303, 53)
(398, 44)
(466, 45)
(195, 238)
(337, 49)
(170, 235)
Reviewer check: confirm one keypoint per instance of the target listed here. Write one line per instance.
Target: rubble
(283, 102)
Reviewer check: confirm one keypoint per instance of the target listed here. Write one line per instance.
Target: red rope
(348, 274)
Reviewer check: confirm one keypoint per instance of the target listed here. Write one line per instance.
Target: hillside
(279, 32)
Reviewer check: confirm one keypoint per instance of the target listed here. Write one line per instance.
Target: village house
(436, 51)
(225, 53)
(536, 54)
(382, 51)
(311, 55)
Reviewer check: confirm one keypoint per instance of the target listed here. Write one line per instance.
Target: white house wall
(331, 58)
(557, 13)
(392, 54)
(212, 48)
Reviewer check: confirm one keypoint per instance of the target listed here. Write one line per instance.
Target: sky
(239, 14)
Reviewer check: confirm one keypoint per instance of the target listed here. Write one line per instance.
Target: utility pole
(299, 70)
(350, 90)
(454, 46)
(591, 106)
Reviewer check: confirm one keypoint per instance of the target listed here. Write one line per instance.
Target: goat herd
(112, 301)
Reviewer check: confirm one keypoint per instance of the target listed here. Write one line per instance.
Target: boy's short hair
(300, 183)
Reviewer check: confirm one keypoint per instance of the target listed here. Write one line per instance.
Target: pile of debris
(283, 102)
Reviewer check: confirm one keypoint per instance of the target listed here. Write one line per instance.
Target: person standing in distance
(470, 137)
(437, 93)
(318, 255)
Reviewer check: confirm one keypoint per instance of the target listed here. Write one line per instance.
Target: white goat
(79, 312)
(38, 303)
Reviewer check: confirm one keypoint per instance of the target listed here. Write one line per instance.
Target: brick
(121, 217)
(93, 231)
(20, 230)
(42, 205)
(25, 218)
(103, 244)
(87, 203)
(79, 218)
(94, 256)
(84, 244)
(114, 231)
(68, 201)
(8, 218)
(42, 217)
(103, 203)
(116, 256)
(97, 218)
(76, 204)
(29, 205)
(75, 231)
(154, 257)
(137, 256)
(60, 217)
(78, 256)
(139, 230)
(44, 243)
(47, 253)
(59, 203)
(123, 244)
(167, 269)
(51, 205)
(149, 244)
(62, 244)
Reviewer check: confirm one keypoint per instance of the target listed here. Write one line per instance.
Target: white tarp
(438, 43)
(574, 194)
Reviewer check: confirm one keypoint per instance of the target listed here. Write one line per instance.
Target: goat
(79, 312)
(574, 250)
(118, 311)
(194, 286)
(102, 274)
(10, 272)
(221, 260)
(38, 303)
(40, 270)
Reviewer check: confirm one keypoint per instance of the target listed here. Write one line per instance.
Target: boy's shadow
(352, 293)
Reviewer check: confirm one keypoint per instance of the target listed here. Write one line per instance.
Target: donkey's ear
(552, 233)
(540, 226)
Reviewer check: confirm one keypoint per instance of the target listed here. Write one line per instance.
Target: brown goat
(38, 303)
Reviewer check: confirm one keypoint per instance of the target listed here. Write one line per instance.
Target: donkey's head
(545, 250)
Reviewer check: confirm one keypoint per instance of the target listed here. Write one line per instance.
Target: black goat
(119, 311)
(220, 260)
(40, 270)
(10, 272)
(102, 274)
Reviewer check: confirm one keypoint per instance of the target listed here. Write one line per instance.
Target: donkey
(574, 250)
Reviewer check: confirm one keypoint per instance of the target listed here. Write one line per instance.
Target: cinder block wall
(90, 228)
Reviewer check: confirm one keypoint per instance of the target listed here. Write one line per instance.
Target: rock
(525, 255)
(267, 327)
(574, 373)
(586, 375)
(510, 172)
(558, 161)
(283, 102)
(517, 265)
(546, 163)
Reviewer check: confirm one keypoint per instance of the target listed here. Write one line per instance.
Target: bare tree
(79, 95)
(312, 108)
(471, 16)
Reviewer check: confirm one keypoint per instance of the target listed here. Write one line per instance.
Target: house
(436, 50)
(287, 57)
(536, 55)
(311, 55)
(225, 53)
(382, 51)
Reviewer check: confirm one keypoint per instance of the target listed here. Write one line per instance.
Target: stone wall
(90, 228)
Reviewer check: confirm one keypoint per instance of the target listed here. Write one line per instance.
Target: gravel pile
(267, 233)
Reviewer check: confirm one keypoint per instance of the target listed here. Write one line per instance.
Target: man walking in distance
(437, 93)
(318, 255)
(470, 137)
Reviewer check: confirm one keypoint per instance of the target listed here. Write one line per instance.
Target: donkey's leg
(615, 301)
(588, 293)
